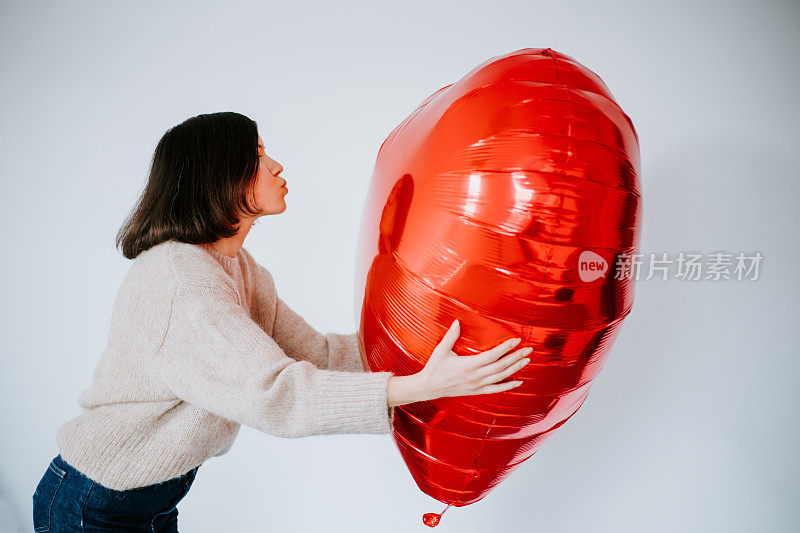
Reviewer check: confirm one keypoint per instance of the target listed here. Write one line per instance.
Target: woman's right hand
(449, 374)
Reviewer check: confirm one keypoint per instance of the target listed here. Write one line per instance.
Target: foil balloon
(508, 200)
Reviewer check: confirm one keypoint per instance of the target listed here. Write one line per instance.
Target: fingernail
(525, 361)
(527, 350)
(516, 341)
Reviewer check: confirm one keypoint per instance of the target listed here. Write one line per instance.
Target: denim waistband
(178, 481)
(67, 496)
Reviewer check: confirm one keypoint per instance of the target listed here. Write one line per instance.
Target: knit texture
(199, 344)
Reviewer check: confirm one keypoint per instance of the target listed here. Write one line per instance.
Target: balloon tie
(432, 519)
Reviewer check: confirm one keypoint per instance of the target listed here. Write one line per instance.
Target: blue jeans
(67, 500)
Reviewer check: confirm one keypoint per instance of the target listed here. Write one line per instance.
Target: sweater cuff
(343, 353)
(355, 402)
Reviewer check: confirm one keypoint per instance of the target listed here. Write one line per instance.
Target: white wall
(691, 426)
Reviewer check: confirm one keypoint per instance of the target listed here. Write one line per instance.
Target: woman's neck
(230, 245)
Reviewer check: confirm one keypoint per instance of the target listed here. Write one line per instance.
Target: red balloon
(507, 200)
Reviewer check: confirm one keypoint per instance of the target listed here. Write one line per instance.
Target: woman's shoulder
(249, 263)
(258, 279)
(179, 262)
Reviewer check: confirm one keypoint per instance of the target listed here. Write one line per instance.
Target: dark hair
(200, 183)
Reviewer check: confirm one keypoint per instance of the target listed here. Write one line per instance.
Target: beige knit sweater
(200, 343)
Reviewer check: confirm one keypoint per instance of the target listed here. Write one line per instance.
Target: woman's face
(269, 189)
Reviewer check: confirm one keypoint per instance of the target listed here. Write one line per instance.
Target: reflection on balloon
(506, 200)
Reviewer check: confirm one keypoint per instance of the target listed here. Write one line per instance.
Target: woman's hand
(449, 374)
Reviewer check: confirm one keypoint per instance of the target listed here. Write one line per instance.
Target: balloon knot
(432, 519)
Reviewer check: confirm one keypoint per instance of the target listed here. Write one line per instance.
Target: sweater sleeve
(215, 356)
(296, 337)
(332, 351)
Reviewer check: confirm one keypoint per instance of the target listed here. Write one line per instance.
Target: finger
(499, 376)
(493, 353)
(499, 387)
(504, 362)
(450, 337)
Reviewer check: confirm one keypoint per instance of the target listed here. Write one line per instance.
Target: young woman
(200, 343)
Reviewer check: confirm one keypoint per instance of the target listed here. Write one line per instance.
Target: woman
(200, 343)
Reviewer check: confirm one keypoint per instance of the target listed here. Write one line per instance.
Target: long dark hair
(200, 183)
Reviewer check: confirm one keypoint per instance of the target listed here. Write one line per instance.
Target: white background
(691, 426)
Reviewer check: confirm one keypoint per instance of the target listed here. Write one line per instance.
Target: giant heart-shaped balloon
(510, 201)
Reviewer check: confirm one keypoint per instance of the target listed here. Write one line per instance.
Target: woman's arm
(298, 339)
(215, 356)
(445, 373)
(331, 351)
